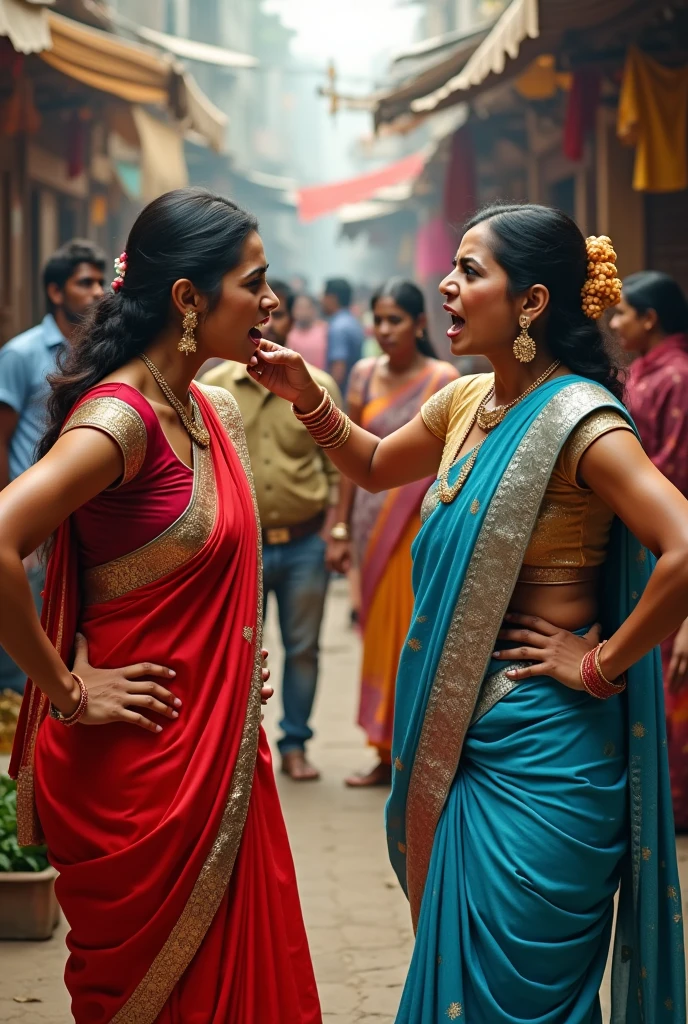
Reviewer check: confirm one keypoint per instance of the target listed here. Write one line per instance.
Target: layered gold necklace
(198, 434)
(487, 420)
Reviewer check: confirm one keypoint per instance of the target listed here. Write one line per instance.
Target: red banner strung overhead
(320, 200)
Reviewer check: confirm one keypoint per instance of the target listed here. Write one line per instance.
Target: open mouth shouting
(255, 334)
(457, 325)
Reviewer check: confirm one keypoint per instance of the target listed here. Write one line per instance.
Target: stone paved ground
(356, 916)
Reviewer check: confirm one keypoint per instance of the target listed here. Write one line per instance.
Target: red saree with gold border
(175, 870)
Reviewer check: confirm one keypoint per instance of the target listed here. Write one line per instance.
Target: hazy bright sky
(352, 32)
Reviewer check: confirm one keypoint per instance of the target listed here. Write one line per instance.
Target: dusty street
(356, 916)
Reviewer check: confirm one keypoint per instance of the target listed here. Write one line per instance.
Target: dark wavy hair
(540, 245)
(189, 232)
(651, 289)
(408, 297)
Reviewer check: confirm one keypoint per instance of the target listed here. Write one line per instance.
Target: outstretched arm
(409, 454)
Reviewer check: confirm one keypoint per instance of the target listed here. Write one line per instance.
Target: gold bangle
(337, 442)
(334, 433)
(307, 417)
(598, 666)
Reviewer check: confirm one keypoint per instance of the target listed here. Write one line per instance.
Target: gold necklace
(198, 434)
(486, 420)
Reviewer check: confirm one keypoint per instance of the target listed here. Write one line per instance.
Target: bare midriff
(569, 605)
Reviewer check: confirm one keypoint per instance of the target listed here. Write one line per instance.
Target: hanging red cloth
(580, 112)
(460, 186)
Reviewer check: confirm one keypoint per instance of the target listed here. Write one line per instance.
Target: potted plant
(28, 905)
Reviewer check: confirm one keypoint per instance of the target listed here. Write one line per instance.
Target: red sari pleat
(133, 820)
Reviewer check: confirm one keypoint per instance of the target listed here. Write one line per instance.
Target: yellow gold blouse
(571, 534)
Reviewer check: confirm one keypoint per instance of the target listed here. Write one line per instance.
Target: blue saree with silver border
(518, 809)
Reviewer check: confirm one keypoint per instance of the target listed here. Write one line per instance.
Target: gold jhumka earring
(187, 342)
(524, 346)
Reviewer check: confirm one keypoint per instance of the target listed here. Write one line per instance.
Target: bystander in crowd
(651, 321)
(344, 333)
(308, 336)
(386, 392)
(297, 490)
(73, 280)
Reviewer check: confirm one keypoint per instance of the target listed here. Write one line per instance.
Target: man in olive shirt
(296, 487)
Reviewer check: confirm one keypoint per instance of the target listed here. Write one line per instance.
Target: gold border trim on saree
(171, 549)
(29, 829)
(488, 585)
(153, 991)
(122, 423)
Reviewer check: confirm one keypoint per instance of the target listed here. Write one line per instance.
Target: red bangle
(309, 417)
(594, 679)
(80, 709)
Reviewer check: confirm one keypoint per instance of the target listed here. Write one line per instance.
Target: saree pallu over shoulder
(467, 559)
(217, 580)
(147, 1000)
(500, 530)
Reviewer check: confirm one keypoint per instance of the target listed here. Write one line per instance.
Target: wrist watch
(340, 531)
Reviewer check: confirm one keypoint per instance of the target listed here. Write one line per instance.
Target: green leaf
(13, 857)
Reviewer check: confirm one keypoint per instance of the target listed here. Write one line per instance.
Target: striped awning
(526, 29)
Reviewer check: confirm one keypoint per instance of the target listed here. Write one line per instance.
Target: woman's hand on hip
(123, 694)
(554, 652)
(285, 373)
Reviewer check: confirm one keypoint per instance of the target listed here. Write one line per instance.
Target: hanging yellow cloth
(653, 117)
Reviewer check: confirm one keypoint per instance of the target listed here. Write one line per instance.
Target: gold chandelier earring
(187, 342)
(524, 346)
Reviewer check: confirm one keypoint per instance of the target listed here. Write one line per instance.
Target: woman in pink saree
(385, 393)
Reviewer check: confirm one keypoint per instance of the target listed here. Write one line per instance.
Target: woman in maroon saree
(175, 870)
(651, 321)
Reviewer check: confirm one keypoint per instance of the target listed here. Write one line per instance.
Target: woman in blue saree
(521, 802)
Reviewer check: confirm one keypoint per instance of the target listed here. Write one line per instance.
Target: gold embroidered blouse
(571, 534)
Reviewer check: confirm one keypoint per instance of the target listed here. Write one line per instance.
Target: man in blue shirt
(344, 334)
(73, 280)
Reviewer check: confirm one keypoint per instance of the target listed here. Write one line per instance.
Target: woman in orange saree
(384, 394)
(175, 871)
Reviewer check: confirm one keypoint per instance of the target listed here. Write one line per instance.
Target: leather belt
(286, 534)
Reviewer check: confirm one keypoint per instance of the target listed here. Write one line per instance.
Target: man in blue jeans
(296, 488)
(73, 280)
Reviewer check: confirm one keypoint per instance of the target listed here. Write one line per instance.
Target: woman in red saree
(384, 394)
(159, 807)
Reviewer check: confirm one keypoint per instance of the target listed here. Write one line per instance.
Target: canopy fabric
(430, 76)
(132, 72)
(525, 29)
(357, 213)
(104, 61)
(520, 21)
(191, 49)
(201, 114)
(25, 25)
(163, 166)
(320, 200)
